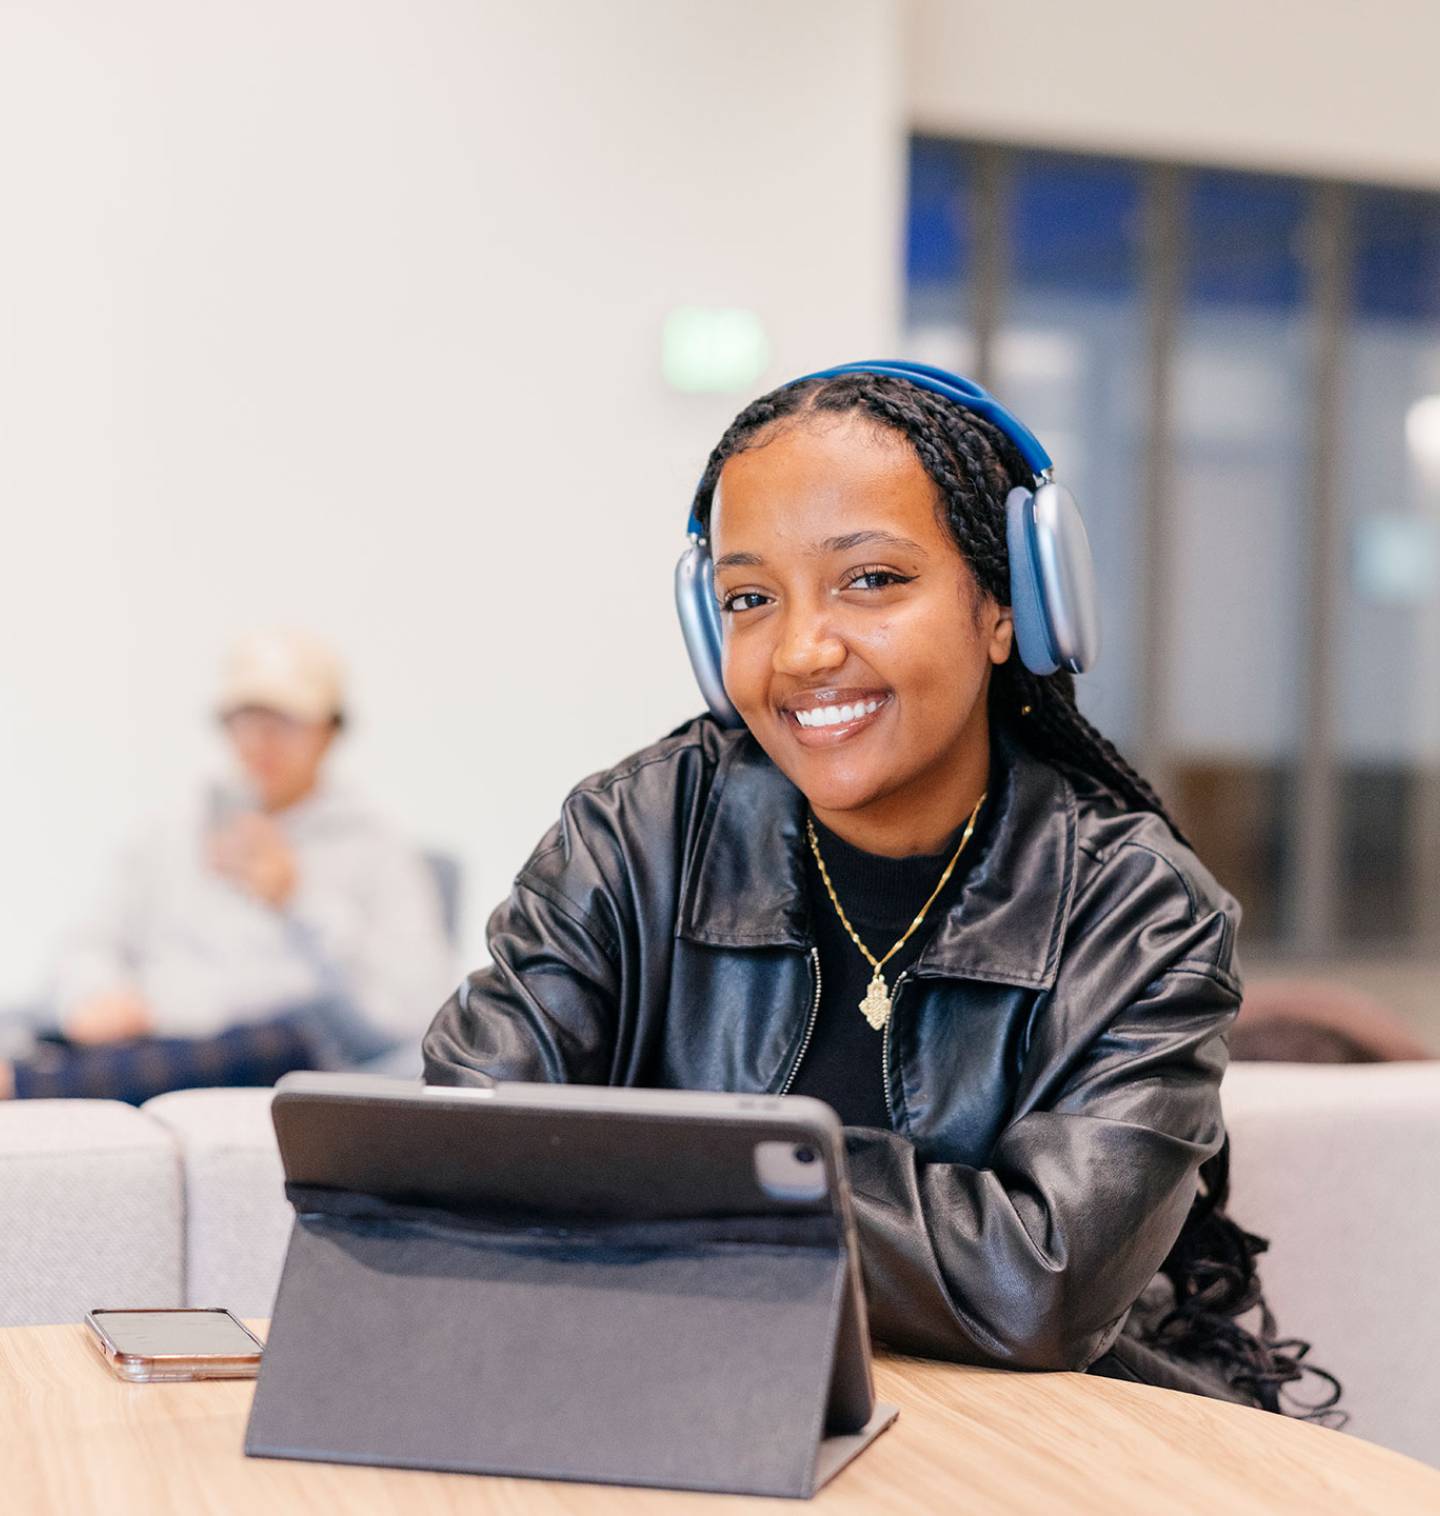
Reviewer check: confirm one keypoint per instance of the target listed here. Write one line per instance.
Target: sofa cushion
(237, 1220)
(90, 1211)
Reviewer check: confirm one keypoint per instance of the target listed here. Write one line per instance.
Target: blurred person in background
(278, 923)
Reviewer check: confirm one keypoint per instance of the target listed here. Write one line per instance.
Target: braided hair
(974, 466)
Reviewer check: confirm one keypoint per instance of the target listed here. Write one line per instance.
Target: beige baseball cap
(281, 670)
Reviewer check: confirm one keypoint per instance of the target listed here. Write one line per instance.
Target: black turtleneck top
(843, 1064)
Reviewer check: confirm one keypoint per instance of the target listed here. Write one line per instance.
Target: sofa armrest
(1339, 1165)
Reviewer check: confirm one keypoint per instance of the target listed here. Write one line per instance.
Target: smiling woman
(897, 870)
(858, 646)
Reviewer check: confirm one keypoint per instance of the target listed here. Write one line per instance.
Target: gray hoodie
(363, 929)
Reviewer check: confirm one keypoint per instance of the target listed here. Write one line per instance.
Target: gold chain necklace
(875, 1007)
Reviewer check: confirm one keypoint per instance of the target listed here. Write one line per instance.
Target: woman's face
(858, 645)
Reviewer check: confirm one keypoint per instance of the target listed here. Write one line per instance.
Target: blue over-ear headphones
(1052, 578)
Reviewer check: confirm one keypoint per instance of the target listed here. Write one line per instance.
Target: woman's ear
(1002, 635)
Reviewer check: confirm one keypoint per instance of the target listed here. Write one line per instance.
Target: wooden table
(74, 1439)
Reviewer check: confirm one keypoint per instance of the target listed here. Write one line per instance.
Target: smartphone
(223, 803)
(154, 1346)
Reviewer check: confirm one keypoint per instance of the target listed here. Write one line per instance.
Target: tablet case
(691, 1353)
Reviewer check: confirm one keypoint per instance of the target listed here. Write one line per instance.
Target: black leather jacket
(1052, 1063)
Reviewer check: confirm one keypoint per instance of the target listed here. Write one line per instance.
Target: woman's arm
(543, 1010)
(1033, 1260)
(574, 949)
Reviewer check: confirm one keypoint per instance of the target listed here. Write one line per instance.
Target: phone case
(161, 1368)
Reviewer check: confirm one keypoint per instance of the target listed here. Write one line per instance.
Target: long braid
(1057, 730)
(974, 465)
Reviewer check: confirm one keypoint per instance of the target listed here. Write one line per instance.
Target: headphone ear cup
(700, 625)
(1065, 575)
(1027, 599)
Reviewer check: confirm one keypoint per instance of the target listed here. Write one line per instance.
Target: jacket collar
(746, 876)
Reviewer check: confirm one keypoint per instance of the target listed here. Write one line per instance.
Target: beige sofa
(182, 1201)
(1339, 1165)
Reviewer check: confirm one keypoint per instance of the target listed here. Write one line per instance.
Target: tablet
(624, 1163)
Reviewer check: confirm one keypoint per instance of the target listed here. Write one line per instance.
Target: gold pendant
(875, 1007)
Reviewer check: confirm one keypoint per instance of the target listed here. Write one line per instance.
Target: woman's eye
(876, 579)
(743, 600)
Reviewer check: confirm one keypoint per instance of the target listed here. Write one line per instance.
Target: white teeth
(837, 715)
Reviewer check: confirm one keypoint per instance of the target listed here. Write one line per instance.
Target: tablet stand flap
(689, 1354)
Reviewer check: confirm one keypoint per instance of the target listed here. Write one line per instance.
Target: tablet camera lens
(805, 1155)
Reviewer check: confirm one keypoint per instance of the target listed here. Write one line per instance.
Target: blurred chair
(450, 881)
(1337, 1166)
(1319, 1021)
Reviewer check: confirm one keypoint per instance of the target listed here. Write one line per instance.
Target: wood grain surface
(74, 1439)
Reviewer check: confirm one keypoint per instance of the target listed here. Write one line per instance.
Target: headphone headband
(964, 393)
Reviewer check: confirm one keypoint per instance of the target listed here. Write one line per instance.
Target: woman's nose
(808, 645)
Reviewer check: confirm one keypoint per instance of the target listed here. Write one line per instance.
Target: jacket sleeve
(545, 1009)
(1034, 1260)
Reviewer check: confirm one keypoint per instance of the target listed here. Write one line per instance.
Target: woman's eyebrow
(862, 539)
(871, 537)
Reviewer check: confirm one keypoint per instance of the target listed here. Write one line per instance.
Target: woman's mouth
(824, 720)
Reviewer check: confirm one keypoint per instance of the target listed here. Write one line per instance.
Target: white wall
(1333, 87)
(346, 313)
